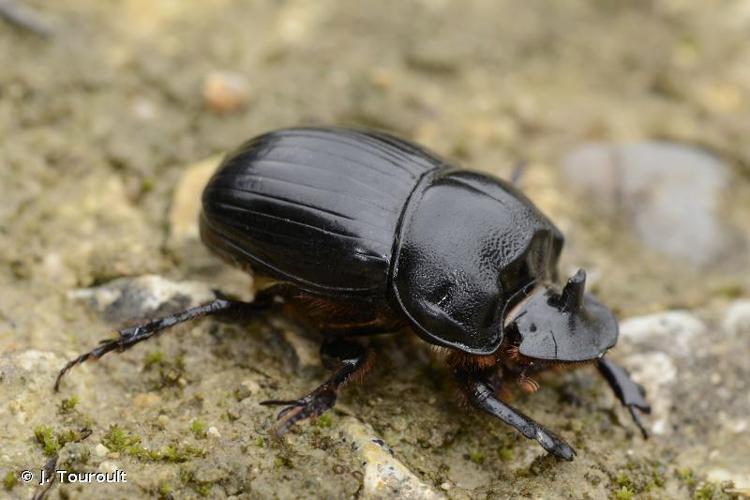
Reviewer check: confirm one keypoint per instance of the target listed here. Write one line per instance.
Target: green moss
(687, 477)
(153, 359)
(121, 441)
(118, 440)
(198, 428)
(177, 454)
(260, 442)
(623, 480)
(10, 481)
(325, 421)
(282, 461)
(476, 456)
(202, 488)
(165, 491)
(148, 184)
(45, 436)
(506, 454)
(711, 491)
(69, 404)
(51, 442)
(731, 290)
(624, 493)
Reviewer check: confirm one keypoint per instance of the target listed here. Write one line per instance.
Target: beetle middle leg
(482, 395)
(349, 358)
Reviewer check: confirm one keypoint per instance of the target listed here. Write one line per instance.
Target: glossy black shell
(347, 213)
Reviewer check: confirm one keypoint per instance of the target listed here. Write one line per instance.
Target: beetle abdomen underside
(316, 207)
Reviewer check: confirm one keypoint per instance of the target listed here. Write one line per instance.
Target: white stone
(251, 385)
(213, 432)
(740, 478)
(671, 331)
(141, 296)
(737, 318)
(668, 193)
(100, 450)
(108, 466)
(656, 372)
(385, 475)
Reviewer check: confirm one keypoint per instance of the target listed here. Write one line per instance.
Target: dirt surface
(102, 120)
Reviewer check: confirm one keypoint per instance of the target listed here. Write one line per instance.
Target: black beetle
(365, 233)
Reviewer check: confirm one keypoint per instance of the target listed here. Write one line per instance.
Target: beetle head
(563, 325)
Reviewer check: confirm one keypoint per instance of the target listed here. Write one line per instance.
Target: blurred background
(633, 119)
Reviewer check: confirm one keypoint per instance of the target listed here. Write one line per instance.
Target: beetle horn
(572, 294)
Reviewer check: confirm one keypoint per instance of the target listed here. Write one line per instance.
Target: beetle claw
(310, 406)
(637, 418)
(554, 444)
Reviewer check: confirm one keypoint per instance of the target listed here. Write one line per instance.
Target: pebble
(163, 421)
(671, 332)
(213, 432)
(306, 351)
(251, 386)
(667, 193)
(657, 373)
(225, 91)
(126, 298)
(100, 450)
(107, 466)
(385, 475)
(145, 400)
(741, 478)
(186, 202)
(737, 318)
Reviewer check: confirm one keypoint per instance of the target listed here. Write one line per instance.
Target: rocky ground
(632, 118)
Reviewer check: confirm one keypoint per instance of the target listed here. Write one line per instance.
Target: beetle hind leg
(128, 337)
(350, 360)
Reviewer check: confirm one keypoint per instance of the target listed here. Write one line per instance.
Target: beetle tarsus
(353, 360)
(128, 337)
(630, 393)
(481, 395)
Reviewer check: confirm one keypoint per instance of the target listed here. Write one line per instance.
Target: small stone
(306, 351)
(657, 373)
(671, 332)
(225, 91)
(213, 432)
(100, 450)
(145, 400)
(107, 466)
(740, 478)
(186, 202)
(250, 386)
(127, 298)
(385, 475)
(163, 421)
(445, 486)
(737, 318)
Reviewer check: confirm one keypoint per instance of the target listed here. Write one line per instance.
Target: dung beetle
(364, 233)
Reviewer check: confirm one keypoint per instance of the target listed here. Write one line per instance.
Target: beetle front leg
(482, 395)
(631, 394)
(350, 359)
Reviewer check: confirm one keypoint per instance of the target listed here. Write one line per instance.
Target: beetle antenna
(572, 294)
